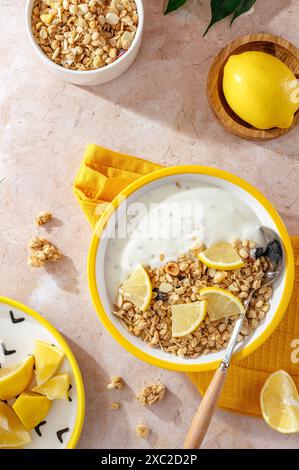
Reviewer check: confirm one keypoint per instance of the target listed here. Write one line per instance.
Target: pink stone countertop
(157, 110)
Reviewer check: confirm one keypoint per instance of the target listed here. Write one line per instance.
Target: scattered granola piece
(43, 217)
(42, 252)
(162, 257)
(115, 405)
(116, 383)
(142, 431)
(151, 394)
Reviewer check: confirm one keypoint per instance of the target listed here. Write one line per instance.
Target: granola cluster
(142, 431)
(84, 34)
(43, 218)
(151, 394)
(115, 405)
(42, 252)
(179, 282)
(116, 383)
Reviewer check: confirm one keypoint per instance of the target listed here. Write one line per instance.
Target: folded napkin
(102, 175)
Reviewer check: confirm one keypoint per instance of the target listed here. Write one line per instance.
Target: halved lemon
(56, 388)
(138, 288)
(280, 403)
(222, 256)
(47, 360)
(15, 379)
(31, 408)
(221, 303)
(187, 317)
(12, 432)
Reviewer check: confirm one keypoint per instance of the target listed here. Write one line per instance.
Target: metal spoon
(204, 414)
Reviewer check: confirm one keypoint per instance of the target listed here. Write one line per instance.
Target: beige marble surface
(157, 110)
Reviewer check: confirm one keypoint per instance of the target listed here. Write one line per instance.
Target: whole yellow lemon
(261, 89)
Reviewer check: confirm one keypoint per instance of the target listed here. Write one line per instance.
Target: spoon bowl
(274, 254)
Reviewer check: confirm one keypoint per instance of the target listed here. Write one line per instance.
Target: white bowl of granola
(151, 224)
(85, 42)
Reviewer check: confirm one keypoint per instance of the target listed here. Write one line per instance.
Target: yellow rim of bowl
(178, 170)
(71, 358)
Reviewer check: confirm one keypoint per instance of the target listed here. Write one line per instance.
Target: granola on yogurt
(180, 281)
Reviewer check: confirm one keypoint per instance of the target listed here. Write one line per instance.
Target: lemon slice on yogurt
(187, 317)
(221, 303)
(222, 256)
(138, 288)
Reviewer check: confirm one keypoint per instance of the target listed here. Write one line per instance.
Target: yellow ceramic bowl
(19, 327)
(97, 262)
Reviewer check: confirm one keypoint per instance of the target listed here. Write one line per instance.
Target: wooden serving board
(274, 45)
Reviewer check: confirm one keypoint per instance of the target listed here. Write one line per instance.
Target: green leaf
(220, 9)
(172, 5)
(245, 5)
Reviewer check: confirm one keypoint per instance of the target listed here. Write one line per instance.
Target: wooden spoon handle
(205, 411)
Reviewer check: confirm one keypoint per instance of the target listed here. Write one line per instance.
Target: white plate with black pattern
(19, 327)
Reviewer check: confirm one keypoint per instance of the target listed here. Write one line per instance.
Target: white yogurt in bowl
(167, 213)
(170, 220)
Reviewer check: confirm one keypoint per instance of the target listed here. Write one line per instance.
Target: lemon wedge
(280, 403)
(187, 317)
(221, 303)
(12, 432)
(138, 288)
(15, 379)
(222, 256)
(56, 388)
(31, 408)
(48, 359)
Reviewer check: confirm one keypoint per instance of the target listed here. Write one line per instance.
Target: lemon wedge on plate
(56, 388)
(280, 403)
(138, 288)
(222, 256)
(31, 408)
(221, 303)
(48, 359)
(12, 432)
(187, 317)
(15, 379)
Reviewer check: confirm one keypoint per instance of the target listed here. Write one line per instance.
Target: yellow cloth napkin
(103, 173)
